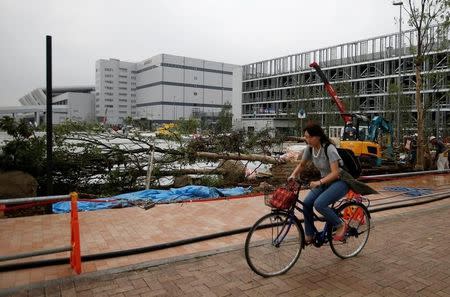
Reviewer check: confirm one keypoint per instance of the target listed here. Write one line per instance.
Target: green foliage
(224, 121)
(25, 152)
(187, 126)
(211, 181)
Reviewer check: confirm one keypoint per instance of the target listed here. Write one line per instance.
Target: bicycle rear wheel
(357, 217)
(274, 244)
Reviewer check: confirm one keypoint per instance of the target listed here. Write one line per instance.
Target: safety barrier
(74, 247)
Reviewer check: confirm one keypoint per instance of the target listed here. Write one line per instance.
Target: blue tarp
(414, 192)
(158, 196)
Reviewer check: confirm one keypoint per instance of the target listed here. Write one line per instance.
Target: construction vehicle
(167, 129)
(365, 146)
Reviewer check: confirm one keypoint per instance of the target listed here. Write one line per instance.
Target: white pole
(149, 169)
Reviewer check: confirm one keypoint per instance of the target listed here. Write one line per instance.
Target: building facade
(172, 87)
(163, 88)
(115, 91)
(74, 103)
(365, 75)
(79, 107)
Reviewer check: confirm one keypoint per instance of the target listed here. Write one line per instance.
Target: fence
(74, 247)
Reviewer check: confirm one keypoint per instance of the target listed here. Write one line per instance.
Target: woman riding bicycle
(329, 188)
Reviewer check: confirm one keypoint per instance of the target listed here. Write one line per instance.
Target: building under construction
(366, 76)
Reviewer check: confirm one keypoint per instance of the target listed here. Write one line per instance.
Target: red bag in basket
(284, 197)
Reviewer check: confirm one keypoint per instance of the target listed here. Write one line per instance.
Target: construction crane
(364, 147)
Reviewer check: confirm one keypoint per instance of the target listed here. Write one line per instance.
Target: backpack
(351, 163)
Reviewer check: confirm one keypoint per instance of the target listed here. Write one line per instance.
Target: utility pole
(49, 128)
(399, 4)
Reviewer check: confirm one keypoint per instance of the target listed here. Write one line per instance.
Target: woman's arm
(331, 177)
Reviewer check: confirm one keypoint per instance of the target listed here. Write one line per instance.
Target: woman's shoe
(340, 234)
(309, 240)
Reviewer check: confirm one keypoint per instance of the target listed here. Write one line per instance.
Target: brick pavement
(407, 254)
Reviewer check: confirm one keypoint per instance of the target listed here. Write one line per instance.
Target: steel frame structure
(364, 73)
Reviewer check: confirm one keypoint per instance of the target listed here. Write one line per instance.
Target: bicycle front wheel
(357, 217)
(274, 244)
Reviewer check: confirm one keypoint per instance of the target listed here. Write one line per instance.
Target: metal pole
(49, 128)
(34, 199)
(399, 71)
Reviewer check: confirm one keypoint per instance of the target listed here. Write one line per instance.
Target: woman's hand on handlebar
(315, 184)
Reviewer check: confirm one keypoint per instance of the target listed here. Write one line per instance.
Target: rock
(17, 184)
(234, 171)
(182, 181)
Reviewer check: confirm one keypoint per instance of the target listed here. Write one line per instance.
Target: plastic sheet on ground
(187, 193)
(414, 192)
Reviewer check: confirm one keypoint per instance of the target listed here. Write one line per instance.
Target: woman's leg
(332, 193)
(310, 229)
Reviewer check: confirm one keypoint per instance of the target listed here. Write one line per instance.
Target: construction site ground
(408, 253)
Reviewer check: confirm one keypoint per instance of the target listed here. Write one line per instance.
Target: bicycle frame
(320, 237)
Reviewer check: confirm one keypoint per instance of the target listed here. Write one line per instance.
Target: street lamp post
(399, 4)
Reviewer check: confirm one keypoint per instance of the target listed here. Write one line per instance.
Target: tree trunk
(419, 107)
(234, 156)
(185, 171)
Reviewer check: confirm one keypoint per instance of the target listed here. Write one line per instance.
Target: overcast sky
(231, 31)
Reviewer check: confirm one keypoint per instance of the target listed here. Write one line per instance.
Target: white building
(74, 103)
(115, 90)
(163, 88)
(80, 107)
(172, 87)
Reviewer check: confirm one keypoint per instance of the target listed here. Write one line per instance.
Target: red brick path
(407, 255)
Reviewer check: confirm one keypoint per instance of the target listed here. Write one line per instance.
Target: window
(109, 100)
(133, 95)
(123, 69)
(123, 100)
(122, 82)
(133, 77)
(195, 93)
(109, 88)
(123, 106)
(109, 81)
(97, 106)
(109, 105)
(123, 111)
(108, 69)
(109, 93)
(109, 75)
(123, 94)
(195, 77)
(122, 88)
(123, 76)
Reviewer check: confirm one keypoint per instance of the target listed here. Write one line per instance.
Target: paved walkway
(407, 255)
(117, 229)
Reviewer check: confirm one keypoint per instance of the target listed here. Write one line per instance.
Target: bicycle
(274, 243)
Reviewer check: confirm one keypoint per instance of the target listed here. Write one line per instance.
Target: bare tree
(430, 19)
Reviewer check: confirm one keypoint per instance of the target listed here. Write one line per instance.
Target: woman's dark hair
(315, 129)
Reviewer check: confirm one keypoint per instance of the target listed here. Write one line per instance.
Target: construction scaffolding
(365, 75)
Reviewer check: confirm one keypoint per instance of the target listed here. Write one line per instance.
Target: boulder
(234, 171)
(17, 184)
(182, 181)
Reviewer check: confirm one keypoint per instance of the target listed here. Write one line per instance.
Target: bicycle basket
(283, 197)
